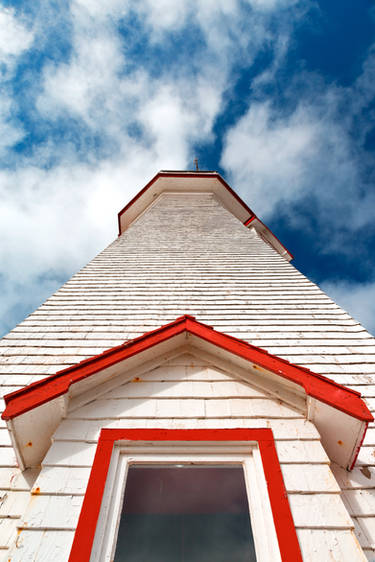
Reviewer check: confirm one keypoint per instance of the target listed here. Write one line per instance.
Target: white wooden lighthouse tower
(188, 396)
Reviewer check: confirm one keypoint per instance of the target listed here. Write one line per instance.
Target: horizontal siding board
(319, 511)
(366, 528)
(13, 503)
(14, 479)
(360, 502)
(88, 430)
(366, 456)
(308, 452)
(61, 480)
(186, 389)
(52, 512)
(361, 477)
(314, 479)
(42, 546)
(324, 545)
(184, 408)
(7, 533)
(70, 453)
(8, 457)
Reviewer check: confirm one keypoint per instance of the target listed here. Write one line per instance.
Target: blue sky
(95, 98)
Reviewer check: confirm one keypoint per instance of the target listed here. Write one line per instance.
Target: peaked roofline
(263, 230)
(183, 174)
(315, 385)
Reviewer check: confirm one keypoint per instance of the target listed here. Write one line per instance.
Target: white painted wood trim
(245, 454)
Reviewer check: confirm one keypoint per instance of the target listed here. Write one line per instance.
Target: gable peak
(199, 181)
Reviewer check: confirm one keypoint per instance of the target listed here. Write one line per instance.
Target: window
(182, 496)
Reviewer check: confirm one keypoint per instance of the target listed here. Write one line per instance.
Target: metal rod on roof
(196, 164)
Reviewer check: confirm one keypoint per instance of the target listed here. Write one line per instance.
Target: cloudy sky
(96, 97)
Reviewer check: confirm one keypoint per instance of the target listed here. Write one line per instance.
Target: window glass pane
(185, 513)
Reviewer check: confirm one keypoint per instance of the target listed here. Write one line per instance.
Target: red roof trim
(316, 386)
(282, 517)
(182, 175)
(250, 220)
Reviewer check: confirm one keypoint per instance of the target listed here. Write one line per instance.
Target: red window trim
(282, 517)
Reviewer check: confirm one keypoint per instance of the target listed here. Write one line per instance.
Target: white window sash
(244, 454)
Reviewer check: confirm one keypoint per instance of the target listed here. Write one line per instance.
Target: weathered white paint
(41, 546)
(192, 257)
(320, 544)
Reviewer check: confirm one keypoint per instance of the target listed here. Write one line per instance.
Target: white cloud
(11, 130)
(267, 154)
(66, 212)
(15, 37)
(277, 157)
(357, 298)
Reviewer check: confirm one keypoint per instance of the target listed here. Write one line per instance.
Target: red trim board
(282, 517)
(316, 386)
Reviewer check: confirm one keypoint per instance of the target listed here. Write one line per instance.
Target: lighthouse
(188, 395)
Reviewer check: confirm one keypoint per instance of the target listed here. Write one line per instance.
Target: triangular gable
(339, 413)
(183, 386)
(197, 182)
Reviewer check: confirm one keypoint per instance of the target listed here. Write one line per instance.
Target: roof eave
(326, 397)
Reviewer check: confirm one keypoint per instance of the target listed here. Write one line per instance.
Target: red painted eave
(316, 386)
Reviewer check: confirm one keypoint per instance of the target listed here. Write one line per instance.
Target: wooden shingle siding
(189, 255)
(58, 491)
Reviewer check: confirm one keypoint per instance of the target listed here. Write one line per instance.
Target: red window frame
(282, 517)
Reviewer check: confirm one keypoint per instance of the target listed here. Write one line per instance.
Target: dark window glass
(185, 514)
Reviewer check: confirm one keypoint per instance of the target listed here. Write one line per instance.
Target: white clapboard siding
(52, 512)
(360, 502)
(366, 530)
(70, 453)
(318, 478)
(322, 545)
(7, 457)
(361, 477)
(366, 456)
(185, 389)
(187, 255)
(4, 438)
(13, 503)
(57, 480)
(88, 430)
(41, 546)
(14, 479)
(370, 436)
(7, 534)
(322, 511)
